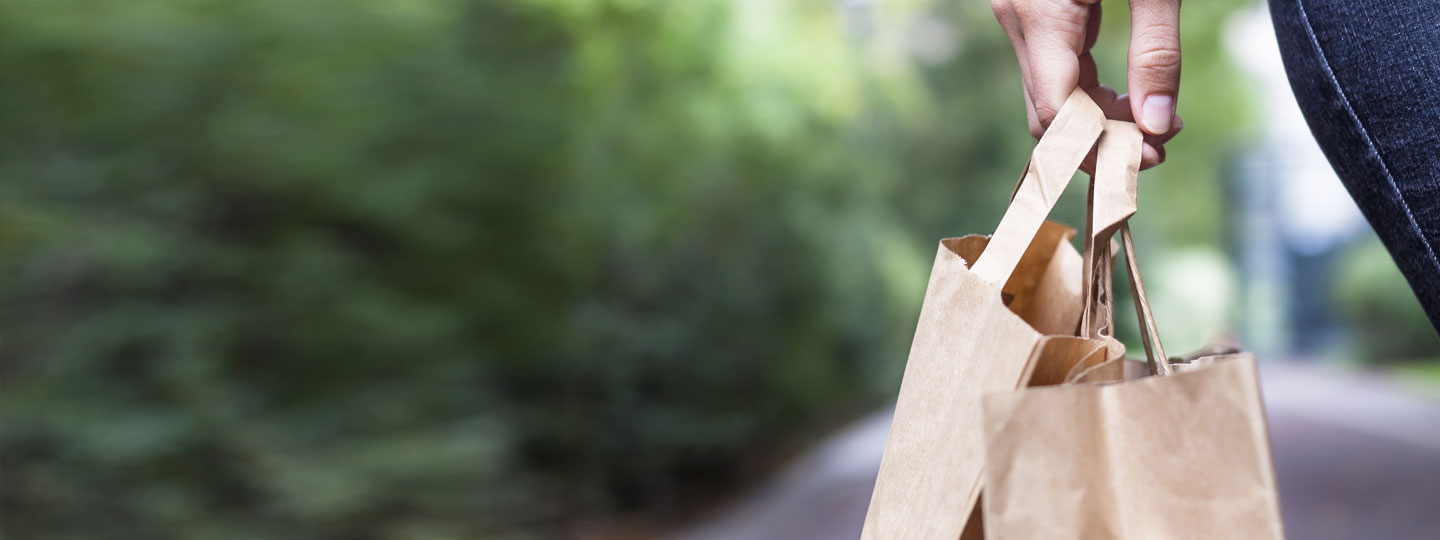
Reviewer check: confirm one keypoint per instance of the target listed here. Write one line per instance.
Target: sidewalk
(1356, 455)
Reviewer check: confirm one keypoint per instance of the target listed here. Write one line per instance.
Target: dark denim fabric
(1367, 76)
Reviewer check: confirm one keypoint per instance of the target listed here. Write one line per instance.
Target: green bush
(380, 269)
(1378, 306)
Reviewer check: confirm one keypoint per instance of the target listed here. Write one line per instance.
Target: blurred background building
(405, 269)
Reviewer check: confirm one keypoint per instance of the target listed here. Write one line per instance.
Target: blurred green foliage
(1378, 306)
(445, 269)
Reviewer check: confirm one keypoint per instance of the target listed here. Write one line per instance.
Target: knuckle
(1003, 9)
(1157, 60)
(1045, 114)
(1066, 17)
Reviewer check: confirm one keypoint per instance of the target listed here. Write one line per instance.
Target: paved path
(1357, 457)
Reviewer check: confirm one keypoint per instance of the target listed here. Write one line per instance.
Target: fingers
(1089, 73)
(1092, 26)
(1154, 72)
(1153, 151)
(1006, 14)
(1055, 35)
(1157, 144)
(1052, 41)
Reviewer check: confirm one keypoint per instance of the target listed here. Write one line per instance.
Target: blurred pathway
(1357, 456)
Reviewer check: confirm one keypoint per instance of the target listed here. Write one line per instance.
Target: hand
(1052, 39)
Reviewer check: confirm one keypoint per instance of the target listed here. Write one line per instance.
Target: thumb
(1154, 74)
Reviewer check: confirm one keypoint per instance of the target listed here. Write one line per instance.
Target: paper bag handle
(1110, 203)
(1150, 337)
(1053, 162)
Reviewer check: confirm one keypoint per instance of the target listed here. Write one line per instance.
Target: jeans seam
(1369, 142)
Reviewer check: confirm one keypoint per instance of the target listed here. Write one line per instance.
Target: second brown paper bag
(1181, 454)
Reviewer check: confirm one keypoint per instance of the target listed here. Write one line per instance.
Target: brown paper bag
(1183, 453)
(968, 342)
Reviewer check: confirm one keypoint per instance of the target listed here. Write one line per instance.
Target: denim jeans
(1367, 76)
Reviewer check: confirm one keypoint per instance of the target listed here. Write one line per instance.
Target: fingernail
(1175, 129)
(1156, 113)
